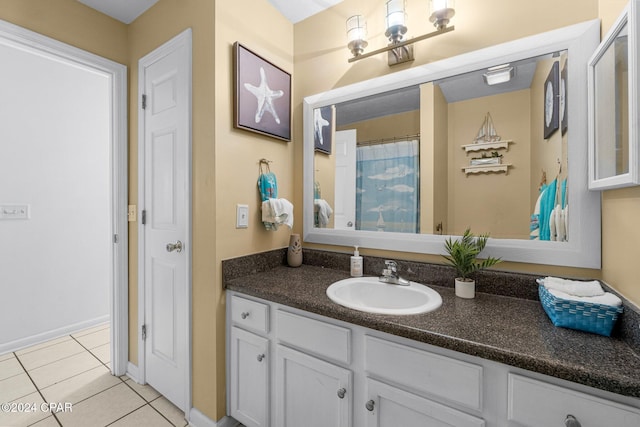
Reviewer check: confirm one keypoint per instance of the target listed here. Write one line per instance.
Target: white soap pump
(356, 264)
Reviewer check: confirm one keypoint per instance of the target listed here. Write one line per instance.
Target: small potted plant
(462, 256)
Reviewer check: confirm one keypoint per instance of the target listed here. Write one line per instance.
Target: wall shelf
(488, 146)
(487, 169)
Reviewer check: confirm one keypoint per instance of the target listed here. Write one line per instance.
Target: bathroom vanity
(296, 358)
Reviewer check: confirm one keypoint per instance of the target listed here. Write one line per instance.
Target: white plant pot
(465, 289)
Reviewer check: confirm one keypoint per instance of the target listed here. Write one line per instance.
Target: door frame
(119, 256)
(182, 39)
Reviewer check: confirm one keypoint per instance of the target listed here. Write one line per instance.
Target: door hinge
(144, 332)
(144, 101)
(115, 238)
(143, 220)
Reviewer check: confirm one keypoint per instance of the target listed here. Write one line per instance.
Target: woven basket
(583, 316)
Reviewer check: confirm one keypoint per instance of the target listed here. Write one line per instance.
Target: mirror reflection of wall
(612, 124)
(412, 168)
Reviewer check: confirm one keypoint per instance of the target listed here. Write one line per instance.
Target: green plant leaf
(463, 252)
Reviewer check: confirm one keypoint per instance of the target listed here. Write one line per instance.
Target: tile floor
(74, 370)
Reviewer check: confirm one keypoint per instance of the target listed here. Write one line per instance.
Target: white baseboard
(198, 419)
(132, 372)
(52, 334)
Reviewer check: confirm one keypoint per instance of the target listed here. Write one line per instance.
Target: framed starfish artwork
(323, 128)
(263, 95)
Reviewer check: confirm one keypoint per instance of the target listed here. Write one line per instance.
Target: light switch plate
(242, 216)
(132, 213)
(15, 211)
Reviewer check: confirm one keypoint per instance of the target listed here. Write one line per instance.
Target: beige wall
(497, 202)
(620, 210)
(258, 26)
(225, 160)
(70, 22)
(434, 155)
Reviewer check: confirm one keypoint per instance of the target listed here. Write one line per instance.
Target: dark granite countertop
(505, 329)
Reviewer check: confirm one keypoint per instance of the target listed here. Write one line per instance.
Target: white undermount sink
(370, 295)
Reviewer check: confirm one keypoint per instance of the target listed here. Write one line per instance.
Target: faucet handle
(391, 265)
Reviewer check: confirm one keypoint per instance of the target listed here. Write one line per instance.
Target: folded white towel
(574, 287)
(277, 212)
(324, 212)
(606, 299)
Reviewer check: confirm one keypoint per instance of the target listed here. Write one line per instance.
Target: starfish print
(318, 123)
(265, 97)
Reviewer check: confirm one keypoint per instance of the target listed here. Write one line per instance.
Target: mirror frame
(583, 247)
(631, 16)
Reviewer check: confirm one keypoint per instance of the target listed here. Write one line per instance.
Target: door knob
(342, 392)
(370, 405)
(177, 246)
(571, 421)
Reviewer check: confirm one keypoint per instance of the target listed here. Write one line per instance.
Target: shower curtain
(387, 187)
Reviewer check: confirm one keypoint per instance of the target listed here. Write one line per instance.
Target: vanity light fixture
(399, 50)
(498, 74)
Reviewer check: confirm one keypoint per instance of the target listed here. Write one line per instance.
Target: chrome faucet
(390, 274)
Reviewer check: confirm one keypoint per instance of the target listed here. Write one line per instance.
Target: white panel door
(311, 392)
(166, 230)
(345, 191)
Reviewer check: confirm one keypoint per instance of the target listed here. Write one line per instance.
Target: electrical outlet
(242, 216)
(15, 212)
(132, 213)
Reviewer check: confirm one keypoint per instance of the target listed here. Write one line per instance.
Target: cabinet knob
(244, 314)
(260, 357)
(370, 405)
(571, 421)
(342, 392)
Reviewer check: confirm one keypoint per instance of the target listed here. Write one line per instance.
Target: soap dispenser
(356, 264)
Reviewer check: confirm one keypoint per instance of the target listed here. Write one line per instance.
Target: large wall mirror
(494, 140)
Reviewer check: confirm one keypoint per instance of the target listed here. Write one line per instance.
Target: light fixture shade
(441, 12)
(396, 19)
(499, 74)
(356, 34)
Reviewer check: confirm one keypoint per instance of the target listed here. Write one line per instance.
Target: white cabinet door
(311, 392)
(391, 407)
(249, 379)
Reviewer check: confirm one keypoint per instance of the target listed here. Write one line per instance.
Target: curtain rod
(392, 139)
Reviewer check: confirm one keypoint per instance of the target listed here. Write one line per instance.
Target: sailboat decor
(487, 138)
(487, 132)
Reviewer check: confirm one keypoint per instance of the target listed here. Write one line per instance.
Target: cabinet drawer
(250, 314)
(535, 403)
(424, 372)
(324, 339)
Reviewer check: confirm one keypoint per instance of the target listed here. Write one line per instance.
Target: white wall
(54, 156)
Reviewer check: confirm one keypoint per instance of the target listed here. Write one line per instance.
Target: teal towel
(546, 206)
